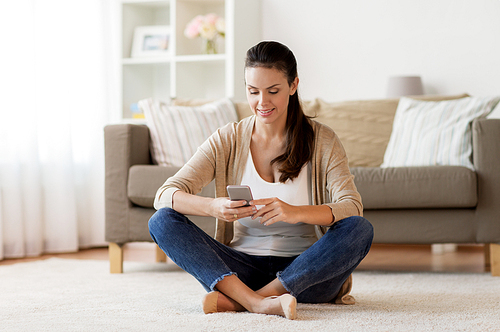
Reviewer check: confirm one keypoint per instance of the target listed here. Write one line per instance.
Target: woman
(299, 175)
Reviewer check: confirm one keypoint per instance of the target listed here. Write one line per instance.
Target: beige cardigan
(224, 154)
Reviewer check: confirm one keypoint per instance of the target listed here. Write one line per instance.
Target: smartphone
(238, 193)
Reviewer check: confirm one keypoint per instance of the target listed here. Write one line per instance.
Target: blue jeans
(315, 276)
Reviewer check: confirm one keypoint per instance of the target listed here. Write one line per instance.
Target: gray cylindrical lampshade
(399, 86)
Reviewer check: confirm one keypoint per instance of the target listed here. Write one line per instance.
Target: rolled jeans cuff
(283, 283)
(216, 281)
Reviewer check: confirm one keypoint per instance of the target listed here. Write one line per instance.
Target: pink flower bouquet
(208, 27)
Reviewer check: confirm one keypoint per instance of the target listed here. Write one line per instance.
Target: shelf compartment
(200, 80)
(145, 81)
(141, 13)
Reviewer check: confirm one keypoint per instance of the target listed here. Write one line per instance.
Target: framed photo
(151, 41)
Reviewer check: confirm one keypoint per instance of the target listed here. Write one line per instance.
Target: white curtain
(54, 105)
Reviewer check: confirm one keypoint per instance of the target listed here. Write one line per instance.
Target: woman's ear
(294, 86)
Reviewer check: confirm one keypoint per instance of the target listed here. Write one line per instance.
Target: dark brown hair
(299, 131)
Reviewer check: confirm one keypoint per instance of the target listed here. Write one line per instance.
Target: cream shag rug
(81, 295)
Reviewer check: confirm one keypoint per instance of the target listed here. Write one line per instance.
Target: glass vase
(209, 46)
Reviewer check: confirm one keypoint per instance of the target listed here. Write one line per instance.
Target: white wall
(346, 49)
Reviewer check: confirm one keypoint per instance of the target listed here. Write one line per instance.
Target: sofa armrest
(486, 159)
(125, 145)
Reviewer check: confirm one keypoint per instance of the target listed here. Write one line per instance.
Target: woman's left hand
(275, 210)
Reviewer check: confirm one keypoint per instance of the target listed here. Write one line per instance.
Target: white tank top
(279, 239)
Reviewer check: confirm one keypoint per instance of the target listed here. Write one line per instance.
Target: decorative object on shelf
(136, 111)
(208, 27)
(400, 86)
(151, 41)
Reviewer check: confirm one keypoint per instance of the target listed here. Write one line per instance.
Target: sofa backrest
(363, 126)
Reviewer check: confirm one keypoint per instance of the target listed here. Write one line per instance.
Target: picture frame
(151, 40)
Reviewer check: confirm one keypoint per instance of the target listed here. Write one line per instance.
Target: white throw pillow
(427, 133)
(495, 114)
(177, 131)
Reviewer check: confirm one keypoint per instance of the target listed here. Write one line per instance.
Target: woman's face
(268, 93)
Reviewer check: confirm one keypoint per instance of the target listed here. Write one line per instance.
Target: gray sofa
(406, 205)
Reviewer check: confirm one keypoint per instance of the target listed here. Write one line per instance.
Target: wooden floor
(467, 258)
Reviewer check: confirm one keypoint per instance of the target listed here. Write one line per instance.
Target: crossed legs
(311, 277)
(234, 295)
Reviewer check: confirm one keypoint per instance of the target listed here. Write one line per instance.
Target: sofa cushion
(178, 131)
(242, 108)
(416, 187)
(363, 126)
(429, 133)
(144, 181)
(380, 188)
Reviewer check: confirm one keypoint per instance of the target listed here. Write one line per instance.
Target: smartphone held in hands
(239, 193)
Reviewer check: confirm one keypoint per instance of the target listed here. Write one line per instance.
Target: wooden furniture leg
(495, 259)
(160, 255)
(487, 262)
(115, 258)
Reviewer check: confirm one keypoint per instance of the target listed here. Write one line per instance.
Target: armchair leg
(115, 258)
(495, 259)
(160, 255)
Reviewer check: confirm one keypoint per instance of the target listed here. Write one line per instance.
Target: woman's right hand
(224, 208)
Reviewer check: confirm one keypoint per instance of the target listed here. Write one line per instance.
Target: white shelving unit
(185, 72)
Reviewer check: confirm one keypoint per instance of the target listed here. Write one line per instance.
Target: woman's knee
(159, 222)
(364, 226)
(358, 227)
(364, 232)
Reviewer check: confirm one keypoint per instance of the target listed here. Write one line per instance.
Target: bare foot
(284, 305)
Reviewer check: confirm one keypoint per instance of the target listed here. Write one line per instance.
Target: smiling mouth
(265, 112)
